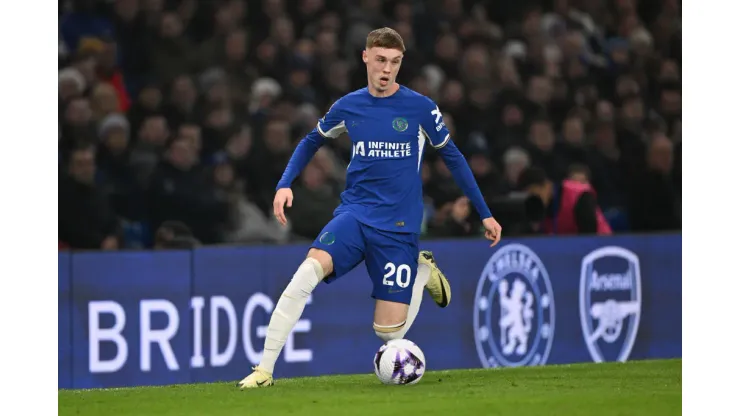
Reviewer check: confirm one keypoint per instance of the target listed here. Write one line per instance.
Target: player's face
(382, 67)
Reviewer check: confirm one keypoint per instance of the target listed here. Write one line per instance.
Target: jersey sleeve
(434, 128)
(328, 127)
(332, 125)
(433, 125)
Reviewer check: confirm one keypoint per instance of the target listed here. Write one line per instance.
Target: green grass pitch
(632, 388)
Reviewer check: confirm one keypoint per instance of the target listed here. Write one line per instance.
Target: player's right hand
(283, 197)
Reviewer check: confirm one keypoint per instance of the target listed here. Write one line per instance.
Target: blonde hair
(385, 37)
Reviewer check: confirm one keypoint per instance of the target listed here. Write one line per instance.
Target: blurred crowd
(185, 112)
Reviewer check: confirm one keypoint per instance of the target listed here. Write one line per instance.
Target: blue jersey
(384, 188)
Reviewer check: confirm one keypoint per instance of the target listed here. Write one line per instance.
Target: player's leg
(393, 319)
(398, 281)
(289, 308)
(336, 251)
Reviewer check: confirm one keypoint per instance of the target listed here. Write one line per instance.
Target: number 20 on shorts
(402, 273)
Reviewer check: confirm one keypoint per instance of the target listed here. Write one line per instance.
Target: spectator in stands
(442, 188)
(534, 84)
(106, 55)
(452, 99)
(542, 149)
(86, 219)
(568, 207)
(191, 132)
(516, 160)
(579, 173)
(71, 84)
(133, 40)
(149, 146)
(277, 145)
(104, 101)
(511, 130)
(573, 143)
(183, 104)
(174, 235)
(115, 175)
(82, 22)
(246, 222)
(148, 103)
(179, 191)
(317, 202)
(655, 198)
(171, 49)
(86, 63)
(609, 173)
(77, 124)
(458, 223)
(489, 179)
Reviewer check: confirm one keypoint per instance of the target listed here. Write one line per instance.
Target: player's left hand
(493, 230)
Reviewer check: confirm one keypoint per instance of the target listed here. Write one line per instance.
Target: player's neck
(383, 94)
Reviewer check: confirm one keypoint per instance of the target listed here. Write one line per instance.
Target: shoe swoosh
(445, 301)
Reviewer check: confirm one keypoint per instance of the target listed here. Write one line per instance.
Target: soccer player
(379, 218)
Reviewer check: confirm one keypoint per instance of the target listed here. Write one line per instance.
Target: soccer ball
(399, 361)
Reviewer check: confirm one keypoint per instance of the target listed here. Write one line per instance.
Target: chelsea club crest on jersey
(400, 124)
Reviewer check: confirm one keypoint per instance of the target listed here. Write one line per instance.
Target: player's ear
(364, 55)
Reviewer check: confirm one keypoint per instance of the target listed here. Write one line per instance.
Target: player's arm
(439, 137)
(329, 127)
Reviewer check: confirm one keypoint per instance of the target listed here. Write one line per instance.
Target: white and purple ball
(399, 362)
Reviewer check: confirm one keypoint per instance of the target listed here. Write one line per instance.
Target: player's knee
(389, 332)
(388, 313)
(305, 279)
(324, 259)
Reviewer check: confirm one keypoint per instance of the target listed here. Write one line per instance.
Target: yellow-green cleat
(258, 378)
(438, 285)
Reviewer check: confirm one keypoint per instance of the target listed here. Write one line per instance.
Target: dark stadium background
(185, 112)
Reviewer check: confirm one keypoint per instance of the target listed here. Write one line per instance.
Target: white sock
(422, 278)
(288, 310)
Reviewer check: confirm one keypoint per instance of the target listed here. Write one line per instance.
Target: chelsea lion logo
(609, 299)
(514, 317)
(400, 124)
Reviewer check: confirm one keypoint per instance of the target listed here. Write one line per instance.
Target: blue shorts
(391, 259)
